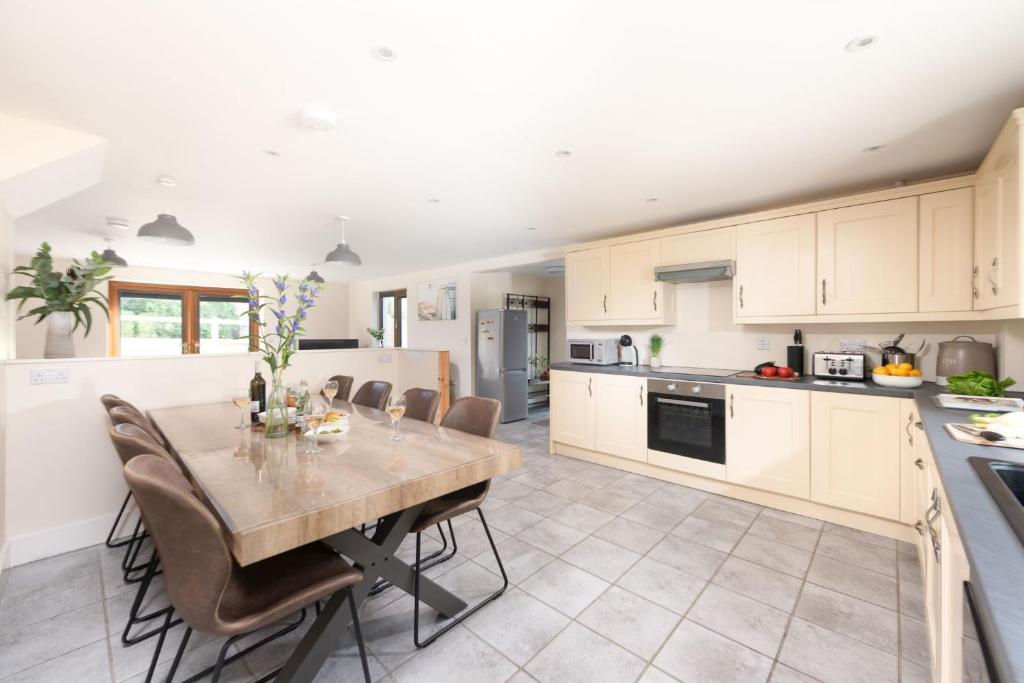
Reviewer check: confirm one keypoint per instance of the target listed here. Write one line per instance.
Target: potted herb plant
(66, 296)
(656, 342)
(378, 334)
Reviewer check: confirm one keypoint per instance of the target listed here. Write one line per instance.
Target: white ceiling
(709, 106)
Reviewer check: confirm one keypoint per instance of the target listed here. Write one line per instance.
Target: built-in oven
(686, 419)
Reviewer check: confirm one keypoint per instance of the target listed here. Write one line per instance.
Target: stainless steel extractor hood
(696, 272)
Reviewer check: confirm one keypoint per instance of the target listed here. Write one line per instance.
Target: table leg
(375, 557)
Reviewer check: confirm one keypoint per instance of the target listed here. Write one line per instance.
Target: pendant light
(166, 230)
(111, 257)
(343, 253)
(315, 277)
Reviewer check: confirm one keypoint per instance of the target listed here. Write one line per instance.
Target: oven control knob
(842, 371)
(695, 389)
(831, 371)
(671, 387)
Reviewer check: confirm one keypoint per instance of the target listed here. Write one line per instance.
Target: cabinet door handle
(655, 300)
(741, 296)
(920, 528)
(641, 397)
(974, 282)
(992, 278)
(919, 464)
(824, 298)
(910, 423)
(590, 382)
(605, 303)
(732, 401)
(933, 514)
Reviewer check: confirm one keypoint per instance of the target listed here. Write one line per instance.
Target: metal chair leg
(133, 612)
(159, 645)
(466, 613)
(111, 543)
(181, 651)
(223, 661)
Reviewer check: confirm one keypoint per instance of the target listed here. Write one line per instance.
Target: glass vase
(277, 409)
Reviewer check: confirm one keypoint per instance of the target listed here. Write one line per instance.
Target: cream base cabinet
(586, 285)
(572, 408)
(620, 416)
(946, 236)
(767, 436)
(775, 267)
(868, 258)
(855, 453)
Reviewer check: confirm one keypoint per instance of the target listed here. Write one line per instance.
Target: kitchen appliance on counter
(593, 351)
(501, 360)
(955, 357)
(893, 353)
(834, 365)
(686, 419)
(629, 355)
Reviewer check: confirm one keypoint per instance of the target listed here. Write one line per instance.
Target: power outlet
(852, 345)
(49, 376)
(763, 344)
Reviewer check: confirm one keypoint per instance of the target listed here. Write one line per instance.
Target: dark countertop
(993, 550)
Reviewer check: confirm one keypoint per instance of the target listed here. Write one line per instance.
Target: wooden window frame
(398, 331)
(189, 311)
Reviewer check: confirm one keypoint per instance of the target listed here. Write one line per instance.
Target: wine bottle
(257, 395)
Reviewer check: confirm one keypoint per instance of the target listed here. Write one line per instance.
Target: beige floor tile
(914, 639)
(457, 657)
(544, 503)
(740, 618)
(860, 583)
(625, 618)
(601, 558)
(858, 553)
(88, 663)
(774, 555)
(678, 498)
(512, 518)
(662, 519)
(606, 500)
(570, 489)
(760, 583)
(28, 646)
(829, 656)
(721, 511)
(849, 616)
(517, 624)
(693, 653)
(781, 531)
(551, 536)
(583, 517)
(655, 675)
(565, 587)
(692, 558)
(809, 522)
(858, 535)
(783, 674)
(630, 535)
(663, 585)
(519, 558)
(718, 536)
(27, 578)
(578, 655)
(23, 609)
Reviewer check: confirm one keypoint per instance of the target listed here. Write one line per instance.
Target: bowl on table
(332, 431)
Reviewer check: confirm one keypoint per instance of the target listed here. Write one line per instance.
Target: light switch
(49, 376)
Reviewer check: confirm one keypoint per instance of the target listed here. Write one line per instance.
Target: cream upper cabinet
(775, 267)
(633, 293)
(620, 416)
(572, 408)
(867, 258)
(767, 436)
(997, 193)
(586, 284)
(698, 247)
(855, 453)
(946, 238)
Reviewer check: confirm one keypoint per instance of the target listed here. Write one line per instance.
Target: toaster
(836, 365)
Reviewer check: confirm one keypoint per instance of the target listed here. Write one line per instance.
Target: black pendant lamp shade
(166, 230)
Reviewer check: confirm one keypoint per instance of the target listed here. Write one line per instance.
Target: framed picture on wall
(436, 300)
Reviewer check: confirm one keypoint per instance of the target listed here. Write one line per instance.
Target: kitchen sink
(1005, 481)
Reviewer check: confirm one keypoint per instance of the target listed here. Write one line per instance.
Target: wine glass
(396, 409)
(241, 399)
(314, 419)
(330, 391)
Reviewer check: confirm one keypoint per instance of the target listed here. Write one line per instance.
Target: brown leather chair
(122, 415)
(209, 590)
(373, 394)
(474, 415)
(130, 441)
(421, 404)
(344, 387)
(111, 401)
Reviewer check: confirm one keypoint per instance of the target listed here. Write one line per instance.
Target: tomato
(769, 371)
(785, 372)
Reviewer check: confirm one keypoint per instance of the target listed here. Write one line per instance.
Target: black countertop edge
(995, 554)
(806, 382)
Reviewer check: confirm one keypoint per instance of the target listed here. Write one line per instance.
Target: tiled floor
(615, 577)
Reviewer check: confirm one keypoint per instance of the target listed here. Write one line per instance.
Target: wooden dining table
(271, 497)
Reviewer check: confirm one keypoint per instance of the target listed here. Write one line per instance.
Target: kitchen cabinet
(855, 453)
(633, 293)
(868, 258)
(908, 454)
(767, 436)
(698, 247)
(572, 408)
(620, 416)
(586, 284)
(775, 267)
(997, 192)
(946, 239)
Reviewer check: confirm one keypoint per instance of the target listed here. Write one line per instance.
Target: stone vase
(59, 341)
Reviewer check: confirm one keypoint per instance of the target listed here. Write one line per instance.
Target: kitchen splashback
(704, 334)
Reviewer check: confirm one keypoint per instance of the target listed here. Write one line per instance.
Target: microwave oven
(593, 351)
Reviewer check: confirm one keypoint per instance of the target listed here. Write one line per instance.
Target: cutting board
(963, 437)
(750, 374)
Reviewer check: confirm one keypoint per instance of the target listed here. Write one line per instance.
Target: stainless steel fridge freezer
(501, 370)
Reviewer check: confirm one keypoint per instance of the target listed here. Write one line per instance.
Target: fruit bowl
(897, 382)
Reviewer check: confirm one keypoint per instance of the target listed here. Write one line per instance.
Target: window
(170, 320)
(393, 316)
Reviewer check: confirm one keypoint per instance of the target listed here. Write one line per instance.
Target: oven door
(691, 426)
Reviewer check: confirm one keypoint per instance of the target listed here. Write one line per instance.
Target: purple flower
(303, 286)
(279, 284)
(283, 300)
(314, 291)
(280, 329)
(253, 293)
(302, 314)
(279, 314)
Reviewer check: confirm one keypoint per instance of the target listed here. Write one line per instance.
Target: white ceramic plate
(897, 382)
(333, 435)
(291, 415)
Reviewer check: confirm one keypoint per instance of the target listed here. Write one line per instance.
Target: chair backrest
(121, 415)
(110, 401)
(373, 394)
(344, 386)
(473, 414)
(131, 441)
(421, 404)
(196, 562)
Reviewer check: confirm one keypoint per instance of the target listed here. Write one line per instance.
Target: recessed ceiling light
(167, 181)
(118, 223)
(555, 270)
(651, 200)
(384, 53)
(433, 200)
(861, 43)
(872, 148)
(318, 117)
(530, 229)
(271, 153)
(563, 153)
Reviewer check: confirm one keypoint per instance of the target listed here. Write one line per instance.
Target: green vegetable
(976, 383)
(983, 420)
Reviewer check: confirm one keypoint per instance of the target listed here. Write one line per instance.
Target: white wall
(328, 319)
(704, 335)
(64, 479)
(6, 351)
